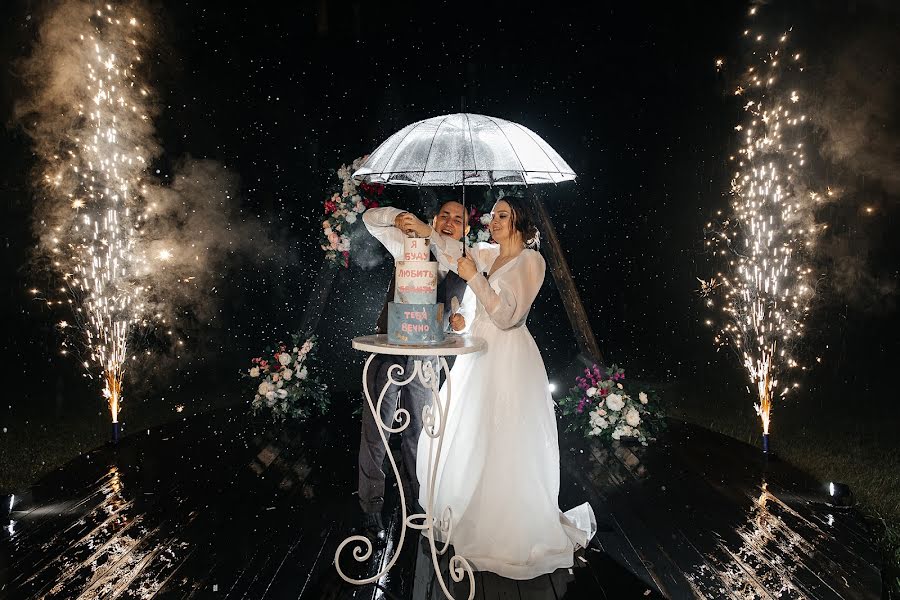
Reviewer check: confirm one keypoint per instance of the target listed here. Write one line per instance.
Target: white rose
(643, 398)
(617, 433)
(281, 393)
(591, 392)
(483, 235)
(614, 402)
(270, 396)
(279, 385)
(485, 218)
(619, 385)
(302, 374)
(595, 431)
(287, 374)
(285, 359)
(351, 218)
(632, 417)
(275, 377)
(254, 372)
(264, 388)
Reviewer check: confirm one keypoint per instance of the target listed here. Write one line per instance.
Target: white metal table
(434, 420)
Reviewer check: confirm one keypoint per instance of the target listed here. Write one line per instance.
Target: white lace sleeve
(519, 286)
(467, 309)
(447, 251)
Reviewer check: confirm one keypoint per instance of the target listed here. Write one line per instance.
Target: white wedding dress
(499, 468)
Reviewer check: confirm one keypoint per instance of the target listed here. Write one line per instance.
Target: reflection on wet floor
(227, 506)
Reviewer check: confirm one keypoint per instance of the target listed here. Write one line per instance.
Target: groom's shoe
(372, 526)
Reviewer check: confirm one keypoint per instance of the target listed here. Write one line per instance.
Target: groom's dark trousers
(413, 397)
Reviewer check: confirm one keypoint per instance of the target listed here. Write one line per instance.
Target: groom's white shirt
(380, 223)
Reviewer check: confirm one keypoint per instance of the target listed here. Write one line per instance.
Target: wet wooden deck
(224, 506)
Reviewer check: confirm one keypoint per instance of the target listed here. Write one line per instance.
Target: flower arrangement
(601, 406)
(479, 220)
(283, 382)
(342, 211)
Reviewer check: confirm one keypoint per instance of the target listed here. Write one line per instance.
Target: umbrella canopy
(464, 149)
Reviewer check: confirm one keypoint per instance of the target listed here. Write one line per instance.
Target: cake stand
(434, 419)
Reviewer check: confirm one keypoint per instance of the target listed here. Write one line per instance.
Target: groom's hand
(409, 223)
(401, 222)
(457, 322)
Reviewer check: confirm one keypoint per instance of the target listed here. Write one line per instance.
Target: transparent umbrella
(464, 149)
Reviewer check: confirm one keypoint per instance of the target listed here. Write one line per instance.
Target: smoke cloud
(854, 82)
(855, 107)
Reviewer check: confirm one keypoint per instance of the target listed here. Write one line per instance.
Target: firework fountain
(766, 239)
(94, 201)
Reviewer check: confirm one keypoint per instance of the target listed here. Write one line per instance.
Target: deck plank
(228, 506)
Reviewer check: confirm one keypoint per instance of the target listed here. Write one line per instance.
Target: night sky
(280, 96)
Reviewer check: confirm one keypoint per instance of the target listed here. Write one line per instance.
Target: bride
(499, 467)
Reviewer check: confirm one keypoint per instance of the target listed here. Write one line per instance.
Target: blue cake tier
(415, 324)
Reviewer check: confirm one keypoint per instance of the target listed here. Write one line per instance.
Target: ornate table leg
(434, 423)
(434, 418)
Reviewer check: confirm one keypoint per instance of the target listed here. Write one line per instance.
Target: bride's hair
(521, 221)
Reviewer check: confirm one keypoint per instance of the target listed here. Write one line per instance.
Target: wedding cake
(415, 316)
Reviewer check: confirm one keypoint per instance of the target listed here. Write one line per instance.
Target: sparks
(766, 284)
(97, 184)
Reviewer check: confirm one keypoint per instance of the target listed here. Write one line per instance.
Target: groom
(391, 226)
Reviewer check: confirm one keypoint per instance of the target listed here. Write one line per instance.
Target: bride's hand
(465, 267)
